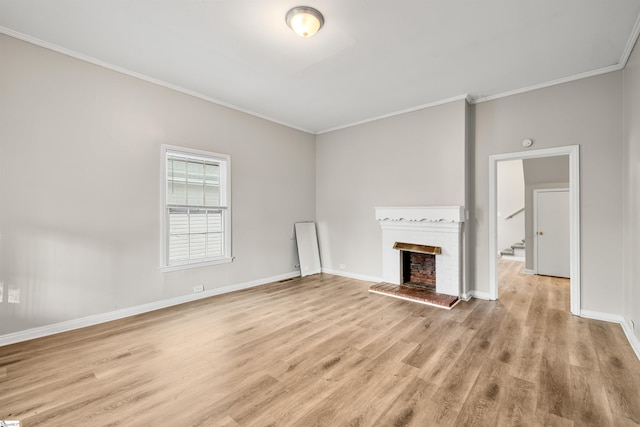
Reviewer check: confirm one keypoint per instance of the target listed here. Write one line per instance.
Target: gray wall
(587, 112)
(631, 185)
(412, 159)
(545, 172)
(80, 186)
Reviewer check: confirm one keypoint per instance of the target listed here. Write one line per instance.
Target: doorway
(574, 217)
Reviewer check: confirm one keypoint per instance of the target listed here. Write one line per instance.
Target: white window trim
(163, 206)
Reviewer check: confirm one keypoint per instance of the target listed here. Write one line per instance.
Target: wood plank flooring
(324, 351)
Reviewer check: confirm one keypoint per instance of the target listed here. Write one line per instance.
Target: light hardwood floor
(323, 351)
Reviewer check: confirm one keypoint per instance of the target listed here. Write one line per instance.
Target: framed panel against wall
(308, 252)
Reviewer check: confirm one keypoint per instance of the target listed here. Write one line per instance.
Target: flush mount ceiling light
(304, 20)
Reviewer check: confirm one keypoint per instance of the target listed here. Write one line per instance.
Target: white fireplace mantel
(424, 225)
(421, 214)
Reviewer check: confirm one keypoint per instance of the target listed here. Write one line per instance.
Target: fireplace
(433, 230)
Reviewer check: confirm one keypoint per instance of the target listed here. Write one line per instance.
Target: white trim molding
(627, 328)
(476, 295)
(397, 113)
(91, 60)
(624, 323)
(543, 85)
(466, 296)
(421, 214)
(470, 98)
(605, 317)
(573, 151)
(349, 275)
(69, 325)
(630, 44)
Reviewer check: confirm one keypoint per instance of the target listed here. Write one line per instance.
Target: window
(196, 224)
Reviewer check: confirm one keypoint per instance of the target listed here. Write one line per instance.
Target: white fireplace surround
(424, 225)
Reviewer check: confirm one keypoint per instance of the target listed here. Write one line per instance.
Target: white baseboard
(56, 328)
(614, 318)
(528, 271)
(95, 319)
(480, 295)
(352, 275)
(513, 258)
(631, 336)
(596, 315)
(464, 297)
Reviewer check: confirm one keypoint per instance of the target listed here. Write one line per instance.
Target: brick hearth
(418, 293)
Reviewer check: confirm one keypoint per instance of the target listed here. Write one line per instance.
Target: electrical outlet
(198, 288)
(342, 266)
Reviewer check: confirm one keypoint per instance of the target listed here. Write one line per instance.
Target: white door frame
(535, 221)
(573, 151)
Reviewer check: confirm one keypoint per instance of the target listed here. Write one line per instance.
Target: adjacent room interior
(160, 162)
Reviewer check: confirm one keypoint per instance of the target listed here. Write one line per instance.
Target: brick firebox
(419, 269)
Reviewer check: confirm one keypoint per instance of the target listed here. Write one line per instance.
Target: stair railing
(515, 213)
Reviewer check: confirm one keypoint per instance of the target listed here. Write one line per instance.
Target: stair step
(517, 245)
(507, 251)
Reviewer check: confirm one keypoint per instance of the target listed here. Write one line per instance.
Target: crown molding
(82, 57)
(630, 44)
(397, 113)
(567, 79)
(624, 58)
(469, 98)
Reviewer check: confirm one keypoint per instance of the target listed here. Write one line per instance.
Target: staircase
(515, 252)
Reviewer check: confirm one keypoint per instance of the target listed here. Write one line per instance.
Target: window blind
(194, 233)
(193, 182)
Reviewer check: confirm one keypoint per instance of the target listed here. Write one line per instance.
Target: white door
(551, 232)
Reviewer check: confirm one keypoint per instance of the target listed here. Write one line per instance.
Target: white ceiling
(371, 59)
